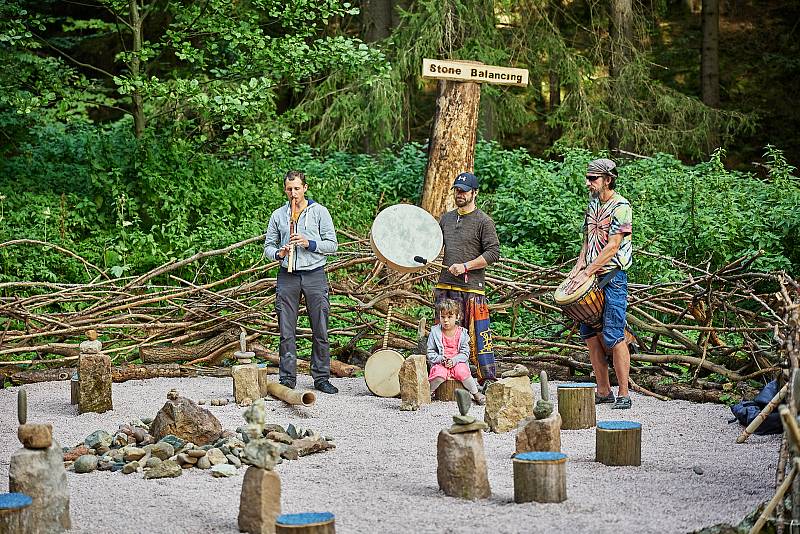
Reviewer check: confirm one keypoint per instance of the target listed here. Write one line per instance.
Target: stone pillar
(508, 401)
(539, 434)
(245, 382)
(40, 474)
(415, 390)
(260, 502)
(94, 377)
(461, 469)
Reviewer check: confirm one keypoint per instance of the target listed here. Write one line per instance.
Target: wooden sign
(473, 72)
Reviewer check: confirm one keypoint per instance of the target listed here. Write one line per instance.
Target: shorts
(616, 305)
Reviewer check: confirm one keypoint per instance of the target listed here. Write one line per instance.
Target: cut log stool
(540, 477)
(308, 523)
(618, 443)
(14, 512)
(576, 405)
(447, 390)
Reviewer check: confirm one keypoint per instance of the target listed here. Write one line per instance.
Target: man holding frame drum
(470, 245)
(607, 254)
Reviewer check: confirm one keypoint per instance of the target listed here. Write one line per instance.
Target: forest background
(136, 132)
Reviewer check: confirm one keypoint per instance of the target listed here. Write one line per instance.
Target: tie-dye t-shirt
(604, 220)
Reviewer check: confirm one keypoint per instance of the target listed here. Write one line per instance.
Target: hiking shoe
(604, 399)
(287, 382)
(326, 387)
(622, 403)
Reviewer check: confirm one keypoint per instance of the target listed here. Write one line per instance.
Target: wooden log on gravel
(338, 369)
(540, 477)
(618, 443)
(121, 373)
(576, 405)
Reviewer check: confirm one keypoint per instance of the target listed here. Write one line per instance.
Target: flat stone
(132, 454)
(91, 347)
(464, 419)
(216, 456)
(196, 453)
(280, 437)
(517, 370)
(260, 501)
(460, 429)
(35, 436)
(223, 470)
(166, 469)
(73, 454)
(97, 438)
(130, 467)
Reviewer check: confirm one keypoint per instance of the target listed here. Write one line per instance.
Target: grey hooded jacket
(315, 224)
(436, 346)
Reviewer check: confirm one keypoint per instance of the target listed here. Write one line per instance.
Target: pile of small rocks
(132, 449)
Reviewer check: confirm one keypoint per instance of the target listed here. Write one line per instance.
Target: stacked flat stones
(542, 431)
(37, 472)
(94, 377)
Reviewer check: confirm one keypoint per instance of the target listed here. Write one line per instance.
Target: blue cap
(466, 181)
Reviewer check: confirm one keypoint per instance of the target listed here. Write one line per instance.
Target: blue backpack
(746, 411)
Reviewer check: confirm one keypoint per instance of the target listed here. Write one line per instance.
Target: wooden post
(540, 477)
(618, 443)
(768, 409)
(447, 390)
(452, 144)
(14, 512)
(309, 523)
(576, 405)
(75, 389)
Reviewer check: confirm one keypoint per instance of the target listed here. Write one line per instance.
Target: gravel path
(382, 475)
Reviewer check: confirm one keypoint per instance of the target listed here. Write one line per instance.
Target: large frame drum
(382, 373)
(403, 231)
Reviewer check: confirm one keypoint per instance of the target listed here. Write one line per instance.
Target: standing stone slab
(508, 401)
(539, 434)
(260, 502)
(40, 474)
(461, 469)
(94, 389)
(415, 390)
(245, 382)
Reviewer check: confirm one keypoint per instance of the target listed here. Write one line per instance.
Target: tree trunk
(709, 60)
(137, 108)
(452, 143)
(377, 19)
(621, 31)
(121, 373)
(554, 97)
(182, 353)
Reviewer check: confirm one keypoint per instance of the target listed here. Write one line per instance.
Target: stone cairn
(94, 377)
(542, 431)
(37, 471)
(509, 400)
(245, 375)
(415, 390)
(260, 501)
(461, 469)
(184, 436)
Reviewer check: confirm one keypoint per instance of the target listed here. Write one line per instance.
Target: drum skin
(403, 231)
(382, 373)
(585, 304)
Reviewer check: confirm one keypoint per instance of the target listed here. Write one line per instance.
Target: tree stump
(14, 512)
(74, 389)
(308, 523)
(540, 477)
(618, 443)
(576, 405)
(447, 390)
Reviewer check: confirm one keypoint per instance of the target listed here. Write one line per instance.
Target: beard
(462, 201)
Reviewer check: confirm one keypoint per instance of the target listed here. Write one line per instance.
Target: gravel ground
(382, 475)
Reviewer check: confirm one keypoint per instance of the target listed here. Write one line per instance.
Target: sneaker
(326, 387)
(622, 403)
(604, 399)
(287, 382)
(479, 399)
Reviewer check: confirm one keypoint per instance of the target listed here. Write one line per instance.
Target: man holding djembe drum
(606, 254)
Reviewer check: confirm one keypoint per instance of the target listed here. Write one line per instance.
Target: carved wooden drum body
(382, 373)
(403, 231)
(585, 304)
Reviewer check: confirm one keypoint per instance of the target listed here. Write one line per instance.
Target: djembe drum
(399, 233)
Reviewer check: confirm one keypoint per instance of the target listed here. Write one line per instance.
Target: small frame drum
(403, 231)
(382, 373)
(585, 304)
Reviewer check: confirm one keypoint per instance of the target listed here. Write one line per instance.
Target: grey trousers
(313, 285)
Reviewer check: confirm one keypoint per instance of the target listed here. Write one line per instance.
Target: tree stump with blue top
(308, 523)
(14, 512)
(540, 477)
(576, 405)
(618, 443)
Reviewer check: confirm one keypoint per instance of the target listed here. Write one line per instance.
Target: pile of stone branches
(699, 336)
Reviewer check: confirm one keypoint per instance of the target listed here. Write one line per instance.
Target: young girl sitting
(448, 350)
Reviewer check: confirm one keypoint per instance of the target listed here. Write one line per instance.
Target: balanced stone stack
(260, 500)
(94, 377)
(245, 375)
(415, 390)
(508, 401)
(542, 432)
(461, 461)
(37, 471)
